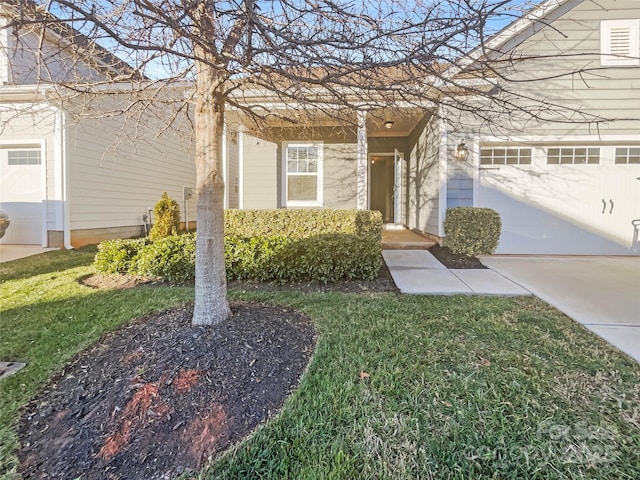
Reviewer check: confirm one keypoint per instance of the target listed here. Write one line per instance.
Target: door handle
(611, 210)
(604, 206)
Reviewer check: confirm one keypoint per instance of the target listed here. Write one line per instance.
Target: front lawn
(400, 386)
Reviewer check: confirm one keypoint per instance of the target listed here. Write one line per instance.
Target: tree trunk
(211, 305)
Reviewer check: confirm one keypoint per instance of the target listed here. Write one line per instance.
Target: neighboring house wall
(56, 61)
(31, 195)
(115, 176)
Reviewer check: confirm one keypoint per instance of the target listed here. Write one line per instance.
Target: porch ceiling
(404, 120)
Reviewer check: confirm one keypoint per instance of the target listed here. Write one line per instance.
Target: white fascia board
(544, 139)
(21, 93)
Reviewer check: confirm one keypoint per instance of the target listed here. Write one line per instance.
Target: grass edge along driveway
(400, 386)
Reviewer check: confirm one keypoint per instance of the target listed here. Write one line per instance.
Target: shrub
(115, 256)
(325, 258)
(166, 216)
(472, 231)
(298, 245)
(170, 258)
(295, 224)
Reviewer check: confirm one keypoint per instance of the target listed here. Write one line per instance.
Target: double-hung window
(303, 174)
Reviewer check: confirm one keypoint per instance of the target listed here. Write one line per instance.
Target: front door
(383, 172)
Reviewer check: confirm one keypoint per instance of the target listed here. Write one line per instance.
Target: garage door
(564, 200)
(21, 194)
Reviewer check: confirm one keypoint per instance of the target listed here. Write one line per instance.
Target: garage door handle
(489, 168)
(611, 202)
(604, 206)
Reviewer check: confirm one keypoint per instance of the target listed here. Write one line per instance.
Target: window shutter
(620, 42)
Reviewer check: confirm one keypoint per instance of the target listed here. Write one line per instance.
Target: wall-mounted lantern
(462, 152)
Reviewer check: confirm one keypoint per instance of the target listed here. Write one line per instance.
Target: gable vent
(620, 39)
(620, 42)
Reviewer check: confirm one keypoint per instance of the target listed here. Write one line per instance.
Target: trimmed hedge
(302, 223)
(292, 248)
(472, 231)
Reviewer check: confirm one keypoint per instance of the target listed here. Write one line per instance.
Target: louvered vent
(620, 42)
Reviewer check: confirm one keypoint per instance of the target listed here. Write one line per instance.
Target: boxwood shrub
(115, 256)
(298, 223)
(338, 244)
(472, 231)
(170, 258)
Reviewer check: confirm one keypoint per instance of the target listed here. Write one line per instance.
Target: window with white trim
(620, 42)
(627, 155)
(24, 157)
(573, 156)
(303, 174)
(505, 156)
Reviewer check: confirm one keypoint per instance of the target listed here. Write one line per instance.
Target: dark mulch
(157, 397)
(454, 260)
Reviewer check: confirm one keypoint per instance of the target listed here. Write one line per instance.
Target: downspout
(66, 219)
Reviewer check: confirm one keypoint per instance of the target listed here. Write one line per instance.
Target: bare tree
(336, 57)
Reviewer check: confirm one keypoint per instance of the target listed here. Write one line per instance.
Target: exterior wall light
(462, 152)
(388, 124)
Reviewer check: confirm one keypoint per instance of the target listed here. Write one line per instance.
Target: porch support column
(361, 167)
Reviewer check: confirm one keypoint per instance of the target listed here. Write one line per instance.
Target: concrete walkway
(420, 273)
(15, 252)
(601, 293)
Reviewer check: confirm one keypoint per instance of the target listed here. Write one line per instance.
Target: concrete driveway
(601, 293)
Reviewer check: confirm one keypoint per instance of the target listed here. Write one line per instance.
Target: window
(505, 156)
(628, 155)
(620, 42)
(573, 156)
(24, 157)
(303, 167)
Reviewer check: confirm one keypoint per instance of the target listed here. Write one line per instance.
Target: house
(74, 170)
(565, 178)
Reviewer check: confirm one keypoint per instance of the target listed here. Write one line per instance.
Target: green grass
(458, 387)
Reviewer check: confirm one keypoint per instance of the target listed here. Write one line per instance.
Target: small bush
(170, 258)
(166, 217)
(472, 231)
(115, 256)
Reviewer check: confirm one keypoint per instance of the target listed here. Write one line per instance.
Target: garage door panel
(584, 209)
(21, 195)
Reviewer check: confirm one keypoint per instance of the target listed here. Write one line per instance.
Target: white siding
(563, 71)
(424, 179)
(260, 175)
(119, 168)
(28, 64)
(233, 171)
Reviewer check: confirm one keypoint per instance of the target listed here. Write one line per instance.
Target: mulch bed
(453, 260)
(159, 396)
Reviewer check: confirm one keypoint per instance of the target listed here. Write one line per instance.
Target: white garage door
(564, 200)
(21, 194)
